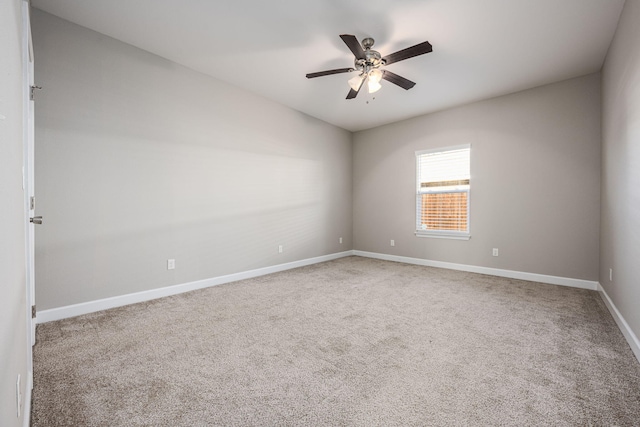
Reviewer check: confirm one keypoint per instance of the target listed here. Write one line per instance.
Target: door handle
(36, 220)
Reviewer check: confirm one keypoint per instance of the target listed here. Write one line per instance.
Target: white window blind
(442, 196)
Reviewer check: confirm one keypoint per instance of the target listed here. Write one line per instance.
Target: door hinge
(32, 202)
(32, 95)
(33, 311)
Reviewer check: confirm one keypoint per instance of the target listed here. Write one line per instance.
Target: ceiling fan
(368, 63)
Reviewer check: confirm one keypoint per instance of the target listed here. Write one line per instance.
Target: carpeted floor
(351, 342)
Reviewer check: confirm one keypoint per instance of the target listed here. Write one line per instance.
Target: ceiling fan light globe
(356, 82)
(375, 75)
(374, 86)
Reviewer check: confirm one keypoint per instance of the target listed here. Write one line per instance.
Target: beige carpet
(351, 342)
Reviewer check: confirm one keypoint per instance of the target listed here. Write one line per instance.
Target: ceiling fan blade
(329, 72)
(353, 93)
(398, 80)
(353, 44)
(410, 52)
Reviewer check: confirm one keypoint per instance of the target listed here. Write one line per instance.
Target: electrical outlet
(495, 252)
(280, 249)
(18, 396)
(393, 242)
(171, 264)
(341, 240)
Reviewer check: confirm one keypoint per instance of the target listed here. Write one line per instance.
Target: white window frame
(441, 234)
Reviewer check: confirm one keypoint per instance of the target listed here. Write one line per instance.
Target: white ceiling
(481, 48)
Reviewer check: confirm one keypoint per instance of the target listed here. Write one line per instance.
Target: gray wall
(620, 226)
(535, 180)
(13, 304)
(139, 160)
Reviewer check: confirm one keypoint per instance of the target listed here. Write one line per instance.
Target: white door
(29, 134)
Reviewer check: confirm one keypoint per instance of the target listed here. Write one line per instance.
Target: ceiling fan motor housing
(372, 58)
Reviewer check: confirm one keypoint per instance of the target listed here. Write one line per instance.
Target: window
(442, 196)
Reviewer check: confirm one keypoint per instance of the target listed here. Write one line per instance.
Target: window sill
(444, 236)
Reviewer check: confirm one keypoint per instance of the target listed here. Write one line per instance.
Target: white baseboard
(542, 278)
(122, 300)
(631, 338)
(119, 301)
